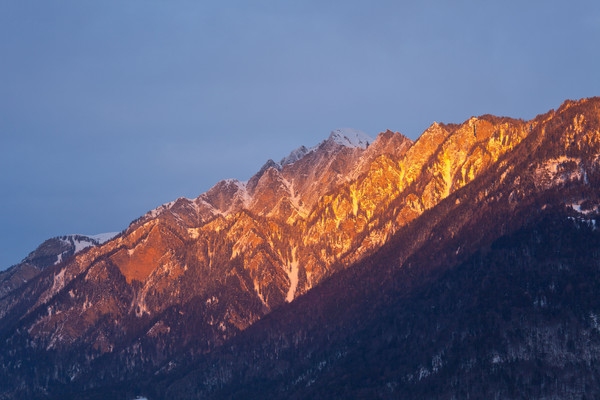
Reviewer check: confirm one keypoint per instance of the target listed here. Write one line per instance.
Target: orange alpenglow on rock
(244, 248)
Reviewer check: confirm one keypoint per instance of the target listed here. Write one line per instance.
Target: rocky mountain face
(386, 239)
(489, 294)
(53, 251)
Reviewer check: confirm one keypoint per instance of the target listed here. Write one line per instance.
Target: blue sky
(109, 109)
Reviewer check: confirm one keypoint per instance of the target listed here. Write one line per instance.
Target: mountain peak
(350, 138)
(570, 103)
(295, 155)
(101, 238)
(398, 214)
(344, 136)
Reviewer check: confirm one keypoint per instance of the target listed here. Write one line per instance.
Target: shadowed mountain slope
(369, 228)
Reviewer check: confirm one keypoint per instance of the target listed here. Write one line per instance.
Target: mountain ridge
(319, 303)
(216, 264)
(51, 252)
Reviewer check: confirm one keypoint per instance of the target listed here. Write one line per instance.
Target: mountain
(367, 239)
(490, 294)
(53, 251)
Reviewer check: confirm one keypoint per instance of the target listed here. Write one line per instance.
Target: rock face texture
(364, 229)
(53, 251)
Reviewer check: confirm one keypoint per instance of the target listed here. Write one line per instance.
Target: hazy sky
(111, 108)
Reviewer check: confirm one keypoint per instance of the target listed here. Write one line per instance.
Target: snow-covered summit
(76, 242)
(230, 194)
(351, 138)
(84, 241)
(346, 137)
(102, 238)
(296, 155)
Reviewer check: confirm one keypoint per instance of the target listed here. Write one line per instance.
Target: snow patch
(82, 242)
(159, 210)
(242, 192)
(292, 273)
(59, 259)
(351, 138)
(102, 238)
(295, 198)
(423, 373)
(577, 207)
(59, 282)
(553, 165)
(296, 155)
(205, 204)
(347, 137)
(139, 305)
(560, 170)
(258, 292)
